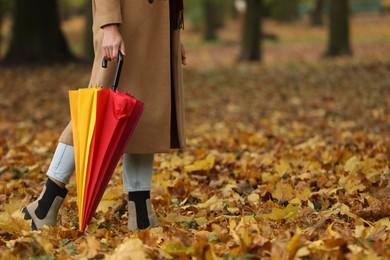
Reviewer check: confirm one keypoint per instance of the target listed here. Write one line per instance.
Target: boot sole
(27, 216)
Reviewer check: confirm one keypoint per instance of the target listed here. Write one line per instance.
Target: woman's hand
(183, 55)
(112, 42)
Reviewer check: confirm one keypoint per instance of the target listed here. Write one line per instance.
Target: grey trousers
(137, 169)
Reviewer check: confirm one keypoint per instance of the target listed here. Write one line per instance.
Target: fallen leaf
(202, 165)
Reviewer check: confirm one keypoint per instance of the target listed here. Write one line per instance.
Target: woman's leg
(62, 165)
(137, 179)
(45, 209)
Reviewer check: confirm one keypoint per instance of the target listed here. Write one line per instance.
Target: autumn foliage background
(286, 159)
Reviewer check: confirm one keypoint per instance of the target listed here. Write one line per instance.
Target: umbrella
(103, 121)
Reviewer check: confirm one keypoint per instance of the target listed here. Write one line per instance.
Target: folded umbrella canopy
(103, 121)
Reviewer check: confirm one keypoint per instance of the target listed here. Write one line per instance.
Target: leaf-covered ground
(285, 160)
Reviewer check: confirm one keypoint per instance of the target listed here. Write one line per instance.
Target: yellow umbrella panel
(83, 114)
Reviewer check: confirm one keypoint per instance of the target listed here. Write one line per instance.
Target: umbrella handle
(118, 70)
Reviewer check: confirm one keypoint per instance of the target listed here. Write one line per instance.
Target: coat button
(150, 1)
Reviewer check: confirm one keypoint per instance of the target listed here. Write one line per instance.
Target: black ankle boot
(141, 214)
(45, 209)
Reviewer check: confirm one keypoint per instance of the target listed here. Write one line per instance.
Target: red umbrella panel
(116, 125)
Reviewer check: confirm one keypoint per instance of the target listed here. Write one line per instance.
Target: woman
(147, 32)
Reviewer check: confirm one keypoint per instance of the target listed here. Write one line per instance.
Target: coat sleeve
(107, 12)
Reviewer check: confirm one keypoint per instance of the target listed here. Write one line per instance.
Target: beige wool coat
(147, 71)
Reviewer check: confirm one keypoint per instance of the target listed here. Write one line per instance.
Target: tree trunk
(5, 6)
(316, 18)
(252, 33)
(88, 40)
(210, 8)
(2, 14)
(36, 34)
(339, 42)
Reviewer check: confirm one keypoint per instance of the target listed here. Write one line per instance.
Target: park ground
(286, 159)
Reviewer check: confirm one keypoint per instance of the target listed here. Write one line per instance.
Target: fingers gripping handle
(118, 70)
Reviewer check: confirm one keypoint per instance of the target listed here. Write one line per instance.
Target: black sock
(139, 198)
(51, 192)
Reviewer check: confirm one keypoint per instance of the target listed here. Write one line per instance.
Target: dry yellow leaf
(279, 214)
(132, 249)
(254, 198)
(233, 210)
(293, 244)
(201, 221)
(214, 203)
(304, 195)
(353, 164)
(45, 243)
(12, 219)
(267, 161)
(105, 205)
(331, 232)
(282, 168)
(111, 193)
(283, 192)
(202, 165)
(175, 218)
(270, 178)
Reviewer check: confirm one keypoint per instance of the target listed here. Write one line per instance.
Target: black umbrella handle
(118, 70)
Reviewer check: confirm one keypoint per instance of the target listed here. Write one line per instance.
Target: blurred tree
(252, 33)
(212, 19)
(339, 42)
(36, 34)
(222, 12)
(208, 15)
(232, 10)
(193, 12)
(316, 18)
(71, 8)
(283, 10)
(88, 35)
(4, 10)
(4, 7)
(64, 9)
